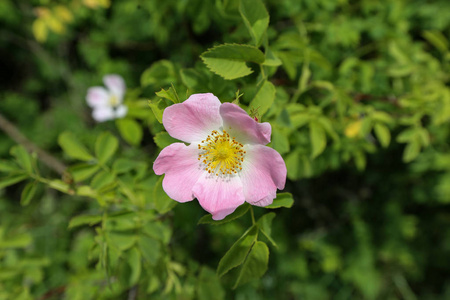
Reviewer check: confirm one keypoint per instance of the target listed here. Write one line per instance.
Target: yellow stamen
(113, 101)
(221, 154)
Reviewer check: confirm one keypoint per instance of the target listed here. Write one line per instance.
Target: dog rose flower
(107, 103)
(226, 162)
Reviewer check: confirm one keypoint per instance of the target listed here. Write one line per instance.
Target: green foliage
(358, 98)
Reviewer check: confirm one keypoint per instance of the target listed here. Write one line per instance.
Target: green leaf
(229, 60)
(8, 166)
(73, 147)
(256, 19)
(123, 165)
(159, 73)
(265, 226)
(105, 147)
(122, 240)
(239, 212)
(383, 134)
(209, 286)
(102, 179)
(411, 151)
(23, 158)
(130, 130)
(134, 261)
(163, 139)
(280, 141)
(28, 193)
(157, 107)
(437, 39)
(264, 98)
(84, 219)
(82, 172)
(169, 94)
(150, 249)
(318, 139)
(238, 252)
(17, 241)
(282, 200)
(12, 179)
(163, 203)
(255, 265)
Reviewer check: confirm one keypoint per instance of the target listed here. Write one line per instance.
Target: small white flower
(107, 103)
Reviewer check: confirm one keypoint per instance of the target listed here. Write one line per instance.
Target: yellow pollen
(221, 154)
(113, 101)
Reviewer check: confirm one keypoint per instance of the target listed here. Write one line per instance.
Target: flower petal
(219, 196)
(243, 127)
(263, 171)
(182, 168)
(194, 119)
(121, 111)
(116, 85)
(97, 96)
(103, 113)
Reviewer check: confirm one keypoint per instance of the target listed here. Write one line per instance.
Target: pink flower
(226, 162)
(107, 103)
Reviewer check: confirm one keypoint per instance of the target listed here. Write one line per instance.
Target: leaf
(12, 179)
(17, 241)
(102, 179)
(73, 147)
(28, 193)
(163, 203)
(209, 286)
(239, 212)
(255, 265)
(437, 39)
(130, 130)
(150, 249)
(383, 134)
(22, 157)
(40, 30)
(169, 94)
(264, 98)
(82, 172)
(8, 166)
(105, 147)
(265, 226)
(411, 151)
(163, 139)
(134, 261)
(318, 139)
(238, 252)
(282, 200)
(229, 60)
(280, 141)
(256, 19)
(159, 73)
(123, 165)
(157, 107)
(84, 219)
(353, 129)
(122, 240)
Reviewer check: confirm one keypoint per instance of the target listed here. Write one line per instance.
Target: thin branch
(17, 136)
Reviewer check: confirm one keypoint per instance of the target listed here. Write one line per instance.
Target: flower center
(221, 154)
(113, 101)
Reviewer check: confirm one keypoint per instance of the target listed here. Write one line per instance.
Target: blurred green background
(361, 115)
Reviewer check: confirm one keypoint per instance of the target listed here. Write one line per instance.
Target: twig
(14, 133)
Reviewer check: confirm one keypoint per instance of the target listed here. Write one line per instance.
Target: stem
(17, 136)
(252, 214)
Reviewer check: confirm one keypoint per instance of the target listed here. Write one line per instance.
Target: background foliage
(357, 93)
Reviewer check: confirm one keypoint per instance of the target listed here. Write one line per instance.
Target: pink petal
(103, 113)
(121, 111)
(194, 119)
(116, 85)
(263, 171)
(243, 127)
(179, 163)
(97, 96)
(219, 196)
